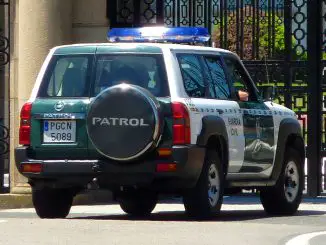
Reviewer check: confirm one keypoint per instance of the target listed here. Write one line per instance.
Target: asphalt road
(242, 221)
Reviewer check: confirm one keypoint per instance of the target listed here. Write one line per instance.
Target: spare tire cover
(124, 122)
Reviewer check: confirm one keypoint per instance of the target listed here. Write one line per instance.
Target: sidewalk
(13, 201)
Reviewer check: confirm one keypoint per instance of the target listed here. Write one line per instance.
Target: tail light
(181, 124)
(25, 124)
(166, 167)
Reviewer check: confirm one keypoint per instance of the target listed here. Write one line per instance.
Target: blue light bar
(159, 34)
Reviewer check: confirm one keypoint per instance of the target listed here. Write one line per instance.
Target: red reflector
(166, 167)
(31, 167)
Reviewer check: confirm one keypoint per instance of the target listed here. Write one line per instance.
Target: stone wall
(89, 21)
(37, 26)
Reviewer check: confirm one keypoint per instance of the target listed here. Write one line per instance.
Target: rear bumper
(110, 174)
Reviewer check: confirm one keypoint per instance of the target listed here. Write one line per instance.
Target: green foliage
(276, 42)
(271, 39)
(271, 42)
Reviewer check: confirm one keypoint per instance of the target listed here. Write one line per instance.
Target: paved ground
(242, 221)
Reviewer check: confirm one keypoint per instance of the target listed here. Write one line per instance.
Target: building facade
(35, 27)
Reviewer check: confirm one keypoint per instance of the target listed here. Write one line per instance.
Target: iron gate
(271, 36)
(4, 96)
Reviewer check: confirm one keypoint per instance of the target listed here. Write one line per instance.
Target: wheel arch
(213, 136)
(289, 136)
(296, 142)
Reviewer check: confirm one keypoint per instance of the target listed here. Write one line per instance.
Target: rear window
(66, 76)
(70, 76)
(146, 71)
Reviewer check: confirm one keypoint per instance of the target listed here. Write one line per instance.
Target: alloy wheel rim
(213, 185)
(291, 184)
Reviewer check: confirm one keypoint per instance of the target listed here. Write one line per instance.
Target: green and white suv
(142, 118)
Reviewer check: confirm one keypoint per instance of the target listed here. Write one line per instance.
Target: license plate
(58, 131)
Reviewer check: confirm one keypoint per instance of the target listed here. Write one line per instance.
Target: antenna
(267, 74)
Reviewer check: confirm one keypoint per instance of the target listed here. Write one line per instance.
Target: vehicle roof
(91, 47)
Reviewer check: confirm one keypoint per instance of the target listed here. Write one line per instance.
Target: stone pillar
(89, 21)
(38, 26)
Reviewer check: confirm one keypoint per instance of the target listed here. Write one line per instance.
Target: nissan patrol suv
(156, 111)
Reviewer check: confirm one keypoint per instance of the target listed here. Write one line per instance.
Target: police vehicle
(155, 111)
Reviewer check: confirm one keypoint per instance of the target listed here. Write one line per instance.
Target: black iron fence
(4, 149)
(4, 96)
(281, 41)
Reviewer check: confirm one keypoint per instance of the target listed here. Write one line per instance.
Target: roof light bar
(159, 34)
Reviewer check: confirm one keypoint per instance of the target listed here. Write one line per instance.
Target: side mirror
(269, 93)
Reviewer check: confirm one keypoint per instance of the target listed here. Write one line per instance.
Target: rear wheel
(137, 202)
(285, 197)
(205, 199)
(52, 203)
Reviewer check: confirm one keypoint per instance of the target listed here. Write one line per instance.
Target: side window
(218, 85)
(240, 80)
(192, 74)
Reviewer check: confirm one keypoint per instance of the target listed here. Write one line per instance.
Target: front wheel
(205, 199)
(285, 197)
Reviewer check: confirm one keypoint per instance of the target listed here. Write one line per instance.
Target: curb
(98, 197)
(90, 197)
(12, 201)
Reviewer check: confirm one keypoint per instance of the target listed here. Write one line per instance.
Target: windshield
(70, 75)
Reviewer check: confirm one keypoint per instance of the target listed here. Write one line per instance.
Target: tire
(205, 199)
(138, 118)
(283, 199)
(52, 203)
(137, 203)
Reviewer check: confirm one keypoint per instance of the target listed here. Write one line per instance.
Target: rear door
(258, 123)
(206, 84)
(145, 68)
(59, 110)
(220, 96)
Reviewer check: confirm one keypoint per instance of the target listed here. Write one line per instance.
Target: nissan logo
(59, 106)
(114, 121)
